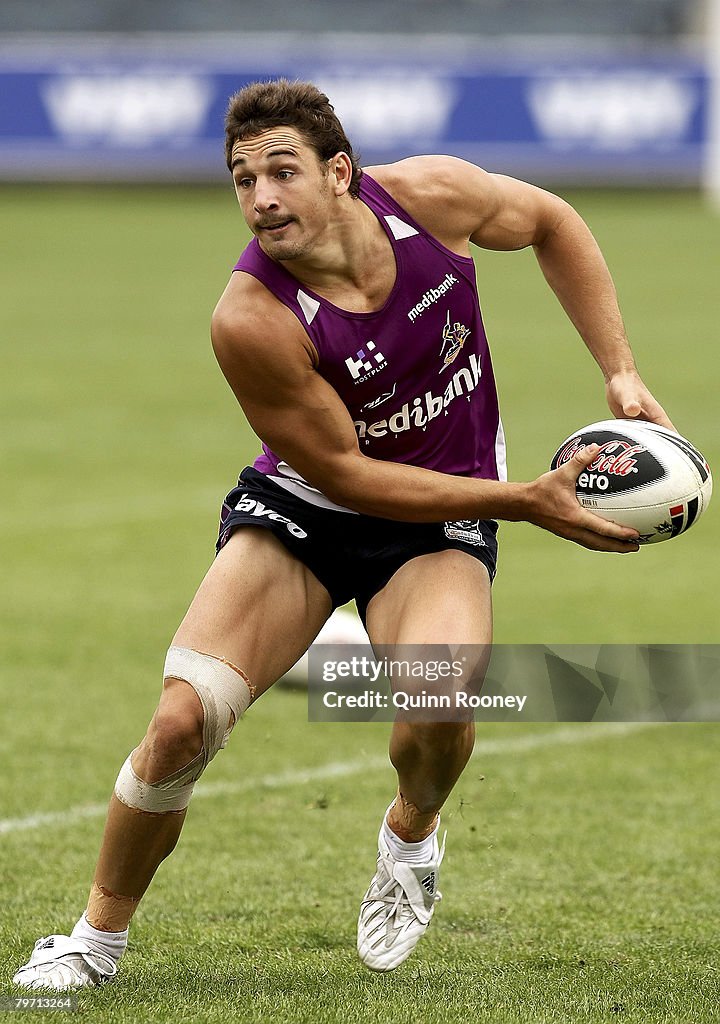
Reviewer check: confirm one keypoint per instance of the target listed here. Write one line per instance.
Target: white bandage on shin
(223, 690)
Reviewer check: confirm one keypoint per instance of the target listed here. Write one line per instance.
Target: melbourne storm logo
(453, 338)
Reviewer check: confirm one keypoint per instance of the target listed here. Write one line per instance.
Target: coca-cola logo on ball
(621, 464)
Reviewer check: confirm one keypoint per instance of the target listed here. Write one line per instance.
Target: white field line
(561, 736)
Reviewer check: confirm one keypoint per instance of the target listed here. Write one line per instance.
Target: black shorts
(352, 555)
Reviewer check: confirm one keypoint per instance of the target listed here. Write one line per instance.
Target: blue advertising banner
(149, 109)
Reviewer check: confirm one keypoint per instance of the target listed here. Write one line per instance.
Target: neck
(353, 243)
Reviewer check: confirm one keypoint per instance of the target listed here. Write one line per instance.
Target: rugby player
(351, 335)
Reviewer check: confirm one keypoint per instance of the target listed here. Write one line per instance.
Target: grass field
(581, 876)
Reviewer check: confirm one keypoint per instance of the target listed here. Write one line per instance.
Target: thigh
(438, 598)
(437, 607)
(258, 607)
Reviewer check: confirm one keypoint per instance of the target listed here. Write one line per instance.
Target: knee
(175, 734)
(200, 703)
(202, 699)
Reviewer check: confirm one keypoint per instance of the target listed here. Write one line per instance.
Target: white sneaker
(60, 962)
(397, 907)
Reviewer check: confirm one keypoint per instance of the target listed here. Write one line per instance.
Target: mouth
(274, 229)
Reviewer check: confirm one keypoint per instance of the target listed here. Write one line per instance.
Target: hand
(555, 507)
(628, 398)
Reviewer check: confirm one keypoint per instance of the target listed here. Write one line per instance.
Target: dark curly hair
(300, 105)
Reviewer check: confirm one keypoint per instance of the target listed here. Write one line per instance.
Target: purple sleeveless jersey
(415, 375)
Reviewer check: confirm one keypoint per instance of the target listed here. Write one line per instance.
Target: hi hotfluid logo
(368, 361)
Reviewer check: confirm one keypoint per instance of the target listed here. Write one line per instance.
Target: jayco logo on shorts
(419, 411)
(260, 511)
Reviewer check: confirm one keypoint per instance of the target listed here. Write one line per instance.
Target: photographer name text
(404, 701)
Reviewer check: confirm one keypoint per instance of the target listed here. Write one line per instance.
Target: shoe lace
(95, 961)
(393, 895)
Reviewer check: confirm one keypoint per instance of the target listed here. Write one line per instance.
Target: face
(284, 191)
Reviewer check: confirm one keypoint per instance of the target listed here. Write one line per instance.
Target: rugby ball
(644, 476)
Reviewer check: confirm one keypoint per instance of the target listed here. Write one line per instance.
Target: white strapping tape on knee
(215, 681)
(222, 689)
(170, 794)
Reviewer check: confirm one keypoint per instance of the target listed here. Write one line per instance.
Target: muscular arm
(266, 359)
(458, 202)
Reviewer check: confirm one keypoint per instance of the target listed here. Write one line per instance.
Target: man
(351, 335)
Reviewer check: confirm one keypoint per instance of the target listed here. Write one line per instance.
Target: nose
(264, 200)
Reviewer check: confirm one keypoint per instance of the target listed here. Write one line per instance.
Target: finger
(658, 416)
(632, 409)
(651, 411)
(663, 420)
(581, 460)
(589, 538)
(597, 542)
(607, 528)
(595, 524)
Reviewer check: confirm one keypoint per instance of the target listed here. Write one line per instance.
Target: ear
(341, 171)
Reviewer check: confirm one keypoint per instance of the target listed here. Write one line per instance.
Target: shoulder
(425, 176)
(249, 322)
(443, 193)
(458, 202)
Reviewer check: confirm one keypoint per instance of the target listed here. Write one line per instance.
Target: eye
(244, 183)
(285, 175)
